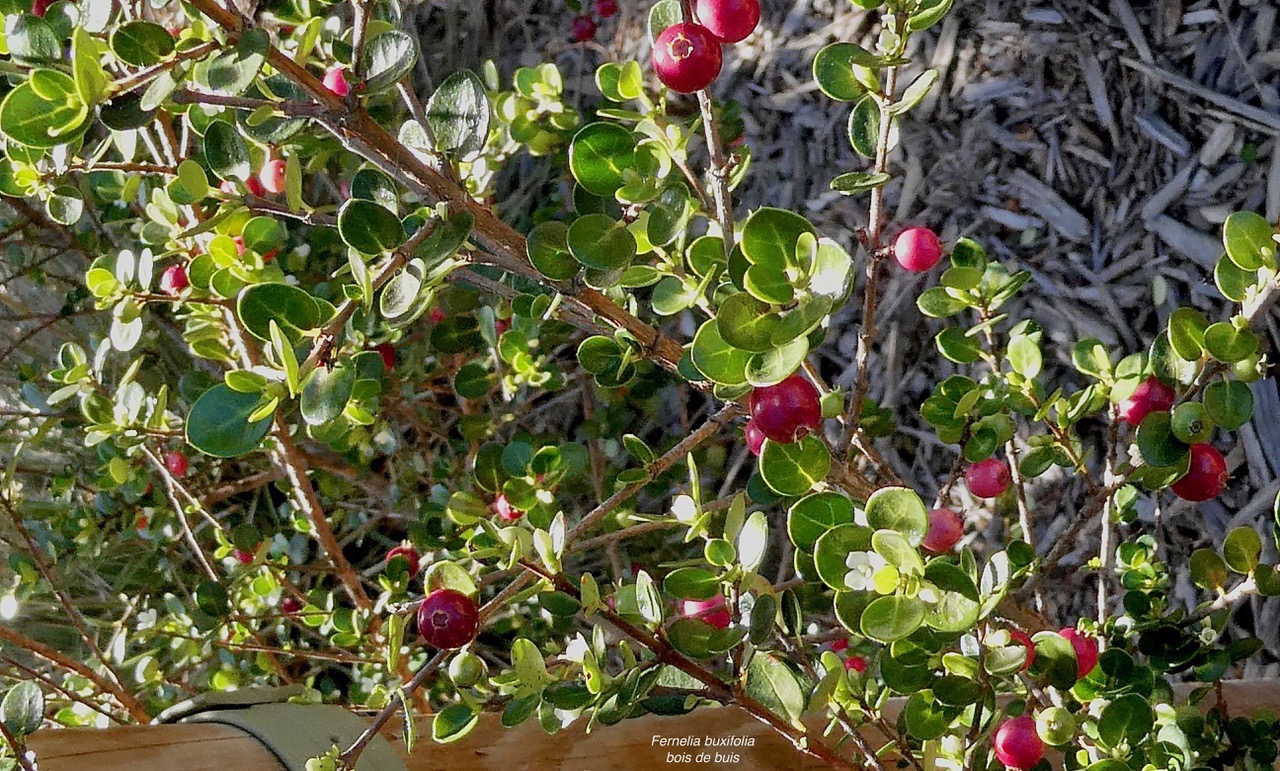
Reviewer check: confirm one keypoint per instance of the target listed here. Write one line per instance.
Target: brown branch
(53, 656)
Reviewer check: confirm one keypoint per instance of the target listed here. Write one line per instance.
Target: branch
(53, 656)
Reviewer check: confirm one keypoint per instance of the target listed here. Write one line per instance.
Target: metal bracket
(294, 733)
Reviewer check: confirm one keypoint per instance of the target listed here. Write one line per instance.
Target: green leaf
(897, 551)
(747, 323)
(893, 618)
(1242, 549)
(90, 77)
(232, 72)
(1248, 240)
(598, 156)
(548, 250)
(957, 346)
(43, 112)
(1128, 719)
(864, 126)
(65, 205)
(1229, 403)
(926, 720)
(813, 515)
(326, 393)
(388, 57)
(1091, 358)
(1208, 570)
(1157, 443)
(226, 151)
(718, 361)
(833, 70)
(1055, 660)
(769, 283)
(915, 93)
(774, 366)
(22, 710)
(769, 237)
(833, 547)
(369, 228)
(772, 682)
(141, 43)
(753, 541)
(1228, 344)
(458, 114)
(453, 722)
(1186, 333)
(856, 182)
(1233, 281)
(219, 424)
(898, 509)
(691, 583)
(1025, 357)
(288, 360)
(927, 14)
(957, 608)
(793, 469)
(598, 241)
(939, 303)
(294, 309)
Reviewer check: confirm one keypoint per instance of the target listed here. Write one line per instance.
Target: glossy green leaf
(232, 72)
(598, 156)
(718, 361)
(226, 151)
(1229, 403)
(458, 114)
(793, 469)
(141, 43)
(691, 583)
(295, 310)
(219, 424)
(598, 241)
(1248, 239)
(22, 710)
(369, 228)
(769, 236)
(833, 70)
(326, 393)
(813, 515)
(388, 57)
(772, 682)
(888, 619)
(1242, 549)
(1228, 344)
(548, 250)
(1186, 333)
(45, 111)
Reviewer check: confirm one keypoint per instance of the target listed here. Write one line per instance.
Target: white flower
(862, 569)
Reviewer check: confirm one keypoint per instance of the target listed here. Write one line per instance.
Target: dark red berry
(1018, 636)
(755, 438)
(1205, 477)
(272, 176)
(41, 7)
(1086, 650)
(839, 645)
(255, 187)
(505, 511)
(729, 20)
(686, 57)
(945, 529)
(856, 663)
(786, 411)
(606, 8)
(176, 462)
(583, 28)
(917, 249)
(174, 279)
(290, 605)
(388, 353)
(712, 611)
(988, 478)
(438, 315)
(1151, 395)
(1017, 744)
(243, 557)
(448, 618)
(410, 555)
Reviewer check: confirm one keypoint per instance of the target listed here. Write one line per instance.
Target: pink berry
(176, 462)
(583, 28)
(786, 411)
(729, 20)
(712, 611)
(945, 529)
(840, 645)
(1206, 476)
(272, 176)
(1018, 636)
(410, 555)
(856, 663)
(448, 618)
(755, 437)
(917, 249)
(290, 605)
(174, 279)
(988, 478)
(1151, 395)
(243, 557)
(1086, 650)
(438, 315)
(41, 7)
(686, 57)
(388, 353)
(336, 81)
(606, 8)
(240, 247)
(1017, 744)
(255, 187)
(505, 511)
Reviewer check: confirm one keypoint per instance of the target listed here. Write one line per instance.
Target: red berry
(255, 187)
(1151, 395)
(176, 462)
(1017, 744)
(755, 437)
(1205, 478)
(174, 280)
(686, 57)
(240, 247)
(290, 605)
(917, 249)
(712, 611)
(272, 176)
(503, 508)
(945, 529)
(438, 315)
(243, 557)
(856, 663)
(41, 7)
(336, 81)
(447, 618)
(410, 555)
(1018, 636)
(1086, 650)
(729, 20)
(786, 411)
(988, 478)
(583, 28)
(500, 326)
(388, 353)
(606, 8)
(839, 645)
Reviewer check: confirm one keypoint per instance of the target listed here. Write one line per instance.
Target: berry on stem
(174, 279)
(583, 28)
(336, 81)
(1017, 744)
(917, 249)
(712, 611)
(1086, 649)
(1151, 395)
(945, 529)
(786, 411)
(1205, 477)
(729, 20)
(755, 437)
(505, 511)
(856, 663)
(988, 478)
(290, 605)
(243, 557)
(410, 555)
(255, 187)
(686, 57)
(272, 176)
(176, 462)
(388, 353)
(447, 618)
(606, 8)
(1019, 636)
(41, 7)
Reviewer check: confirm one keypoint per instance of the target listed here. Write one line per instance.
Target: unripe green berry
(467, 669)
(1056, 726)
(1248, 370)
(1191, 423)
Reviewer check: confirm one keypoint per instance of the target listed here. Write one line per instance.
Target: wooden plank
(190, 747)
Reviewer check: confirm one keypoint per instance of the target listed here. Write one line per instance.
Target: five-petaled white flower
(862, 569)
